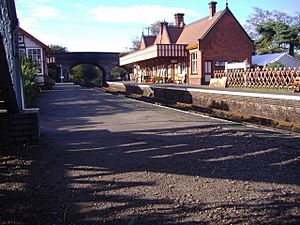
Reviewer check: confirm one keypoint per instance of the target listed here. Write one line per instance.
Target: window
(36, 55)
(181, 68)
(194, 62)
(220, 63)
(208, 67)
(207, 70)
(21, 39)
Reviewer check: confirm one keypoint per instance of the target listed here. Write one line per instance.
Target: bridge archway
(91, 72)
(104, 60)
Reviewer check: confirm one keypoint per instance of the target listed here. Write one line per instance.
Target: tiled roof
(174, 33)
(149, 40)
(197, 30)
(189, 34)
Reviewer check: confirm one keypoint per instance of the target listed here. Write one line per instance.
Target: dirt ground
(106, 159)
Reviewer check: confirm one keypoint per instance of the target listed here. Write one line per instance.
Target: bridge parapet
(104, 60)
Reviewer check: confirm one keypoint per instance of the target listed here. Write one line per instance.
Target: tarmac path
(106, 159)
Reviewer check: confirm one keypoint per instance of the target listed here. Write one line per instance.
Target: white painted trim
(42, 59)
(144, 85)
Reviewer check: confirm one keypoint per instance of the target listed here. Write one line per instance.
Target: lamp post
(61, 74)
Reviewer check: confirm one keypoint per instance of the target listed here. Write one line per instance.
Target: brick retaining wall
(268, 106)
(19, 128)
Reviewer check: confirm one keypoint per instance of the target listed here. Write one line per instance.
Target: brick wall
(277, 109)
(19, 128)
(227, 41)
(270, 108)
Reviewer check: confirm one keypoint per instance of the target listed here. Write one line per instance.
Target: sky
(110, 25)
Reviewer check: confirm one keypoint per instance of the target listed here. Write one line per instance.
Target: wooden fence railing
(260, 78)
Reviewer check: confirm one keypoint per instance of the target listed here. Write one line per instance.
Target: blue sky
(110, 25)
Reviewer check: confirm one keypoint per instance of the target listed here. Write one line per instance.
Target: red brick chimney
(212, 8)
(179, 19)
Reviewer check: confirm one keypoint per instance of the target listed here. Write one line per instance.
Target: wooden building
(32, 48)
(190, 53)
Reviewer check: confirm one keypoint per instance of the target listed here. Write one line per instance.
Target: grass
(267, 89)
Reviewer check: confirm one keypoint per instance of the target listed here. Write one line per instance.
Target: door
(207, 71)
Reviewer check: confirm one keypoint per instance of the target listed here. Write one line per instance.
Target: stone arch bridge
(104, 60)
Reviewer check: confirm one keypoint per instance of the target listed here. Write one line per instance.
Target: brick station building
(190, 53)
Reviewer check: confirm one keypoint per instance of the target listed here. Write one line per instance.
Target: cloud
(37, 9)
(28, 22)
(144, 14)
(45, 37)
(45, 12)
(80, 6)
(32, 12)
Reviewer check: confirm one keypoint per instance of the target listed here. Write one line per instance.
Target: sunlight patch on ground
(234, 157)
(191, 152)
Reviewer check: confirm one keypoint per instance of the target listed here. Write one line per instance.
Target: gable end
(220, 17)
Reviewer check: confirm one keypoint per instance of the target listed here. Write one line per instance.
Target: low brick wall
(19, 128)
(277, 109)
(269, 106)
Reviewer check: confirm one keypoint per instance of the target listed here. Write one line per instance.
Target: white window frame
(39, 62)
(194, 62)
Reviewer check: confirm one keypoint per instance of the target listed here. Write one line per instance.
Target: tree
(260, 16)
(135, 45)
(287, 37)
(277, 37)
(57, 48)
(118, 73)
(53, 70)
(274, 31)
(87, 72)
(155, 28)
(265, 44)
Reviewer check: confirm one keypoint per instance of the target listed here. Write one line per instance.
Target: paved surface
(105, 159)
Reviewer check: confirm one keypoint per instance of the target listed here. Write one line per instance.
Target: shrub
(49, 83)
(29, 72)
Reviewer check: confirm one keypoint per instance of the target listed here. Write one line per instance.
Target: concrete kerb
(184, 99)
